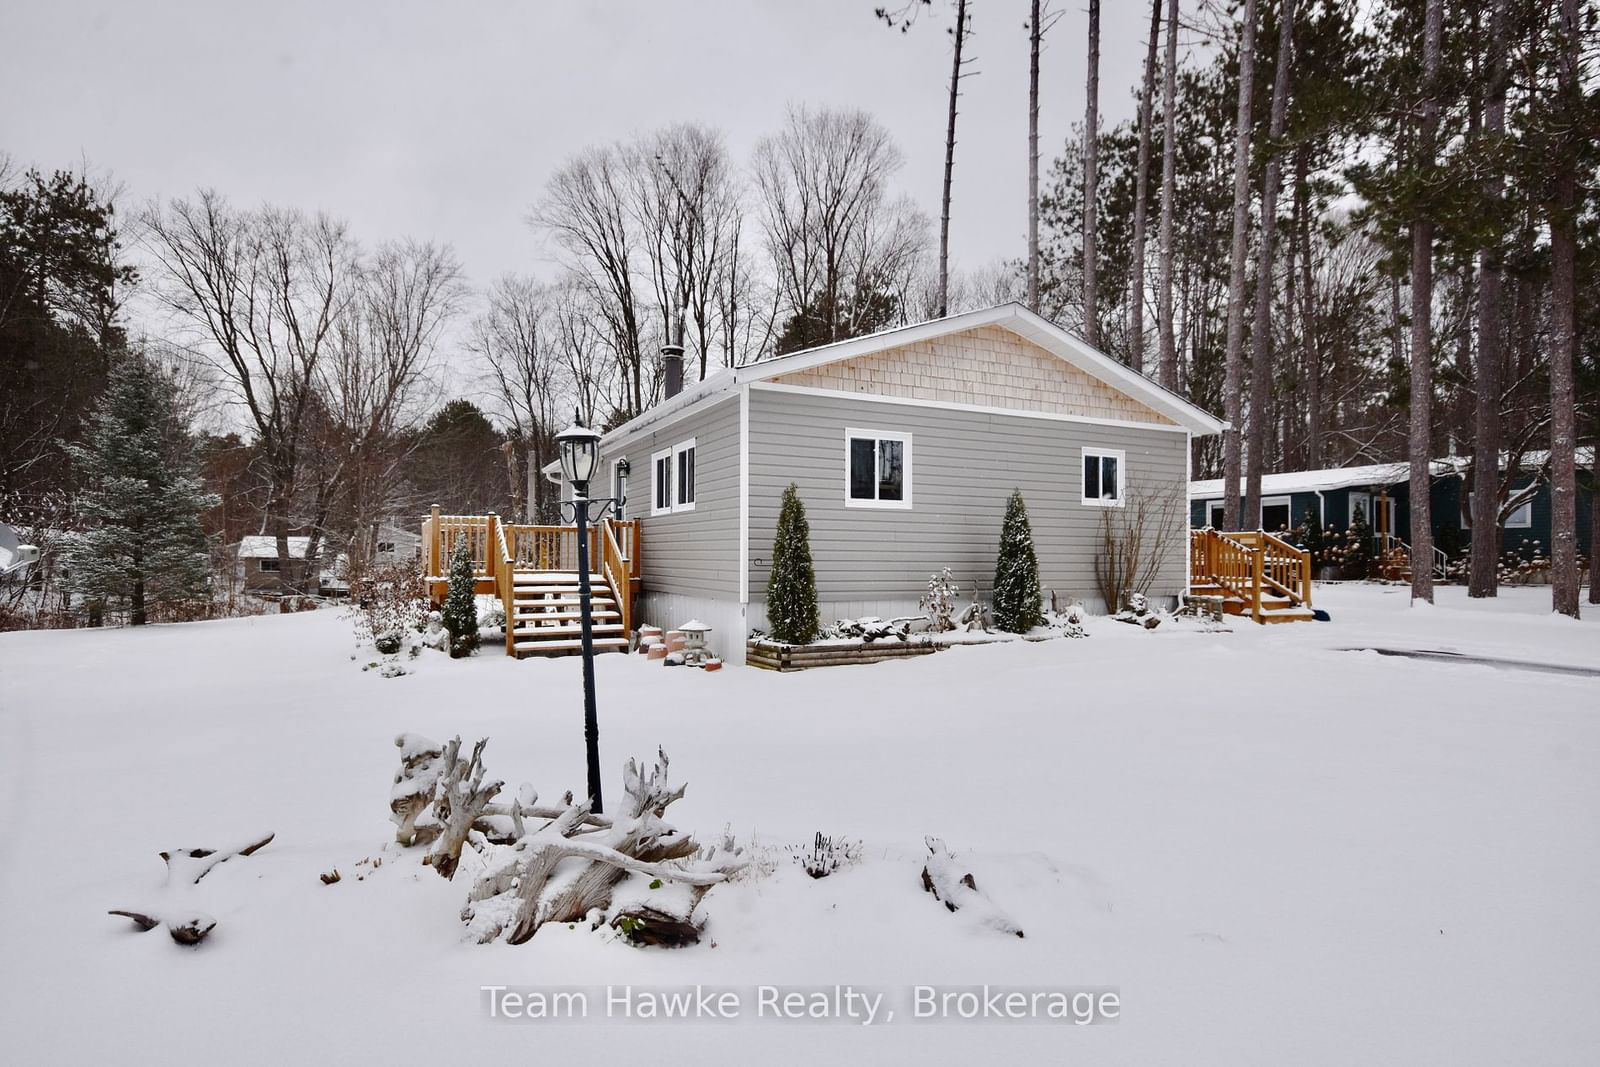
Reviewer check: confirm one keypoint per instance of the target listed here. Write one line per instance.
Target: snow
(1274, 849)
(1371, 474)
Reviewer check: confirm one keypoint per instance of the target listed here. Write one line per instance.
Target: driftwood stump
(185, 869)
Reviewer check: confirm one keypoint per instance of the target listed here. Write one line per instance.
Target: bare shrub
(1137, 542)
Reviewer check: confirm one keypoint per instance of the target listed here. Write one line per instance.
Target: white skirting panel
(725, 617)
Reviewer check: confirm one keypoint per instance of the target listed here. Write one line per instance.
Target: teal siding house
(1381, 492)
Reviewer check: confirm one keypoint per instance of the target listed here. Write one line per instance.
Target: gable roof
(1013, 316)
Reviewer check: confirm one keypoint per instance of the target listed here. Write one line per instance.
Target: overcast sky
(444, 120)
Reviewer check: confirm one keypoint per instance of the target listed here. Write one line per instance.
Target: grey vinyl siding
(691, 553)
(963, 466)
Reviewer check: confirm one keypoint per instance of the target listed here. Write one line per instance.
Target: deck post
(1256, 558)
(433, 543)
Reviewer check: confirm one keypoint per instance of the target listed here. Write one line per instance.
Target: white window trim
(655, 482)
(1525, 509)
(677, 450)
(854, 432)
(1217, 508)
(1274, 502)
(1121, 499)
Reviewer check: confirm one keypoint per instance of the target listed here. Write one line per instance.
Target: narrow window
(619, 489)
(1102, 477)
(877, 469)
(683, 455)
(661, 464)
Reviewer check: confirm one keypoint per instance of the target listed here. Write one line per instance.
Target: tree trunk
(950, 161)
(1034, 32)
(1169, 186)
(1091, 182)
(1261, 332)
(1233, 371)
(1563, 324)
(1308, 313)
(1483, 568)
(1141, 197)
(1421, 435)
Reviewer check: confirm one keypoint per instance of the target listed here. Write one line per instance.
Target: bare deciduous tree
(1091, 182)
(263, 292)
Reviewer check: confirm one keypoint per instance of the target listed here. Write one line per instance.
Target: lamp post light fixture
(580, 457)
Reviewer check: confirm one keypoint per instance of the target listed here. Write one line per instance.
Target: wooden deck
(1256, 574)
(533, 571)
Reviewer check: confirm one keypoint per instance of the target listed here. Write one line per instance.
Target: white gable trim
(1025, 324)
(948, 405)
(1014, 317)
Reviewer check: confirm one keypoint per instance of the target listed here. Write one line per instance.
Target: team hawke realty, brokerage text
(839, 1003)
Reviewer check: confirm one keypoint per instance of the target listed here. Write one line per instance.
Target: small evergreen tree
(461, 603)
(143, 544)
(792, 582)
(1016, 572)
(1358, 546)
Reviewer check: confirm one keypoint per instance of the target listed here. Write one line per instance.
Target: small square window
(673, 479)
(1103, 477)
(877, 469)
(267, 564)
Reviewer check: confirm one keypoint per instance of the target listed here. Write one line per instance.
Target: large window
(877, 469)
(1104, 474)
(672, 479)
(1521, 517)
(1275, 513)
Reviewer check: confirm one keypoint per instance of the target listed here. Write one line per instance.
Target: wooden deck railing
(1251, 565)
(501, 549)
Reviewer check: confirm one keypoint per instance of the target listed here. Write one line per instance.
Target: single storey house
(259, 570)
(1381, 493)
(904, 446)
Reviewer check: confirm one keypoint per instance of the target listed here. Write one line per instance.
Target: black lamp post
(580, 456)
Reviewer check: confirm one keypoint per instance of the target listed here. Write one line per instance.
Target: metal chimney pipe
(672, 366)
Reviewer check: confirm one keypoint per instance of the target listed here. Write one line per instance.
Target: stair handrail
(505, 585)
(615, 566)
(1295, 566)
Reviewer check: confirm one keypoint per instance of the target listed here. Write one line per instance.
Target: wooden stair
(1256, 575)
(546, 616)
(533, 571)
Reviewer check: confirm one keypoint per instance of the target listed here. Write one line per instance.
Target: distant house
(394, 544)
(1382, 494)
(261, 571)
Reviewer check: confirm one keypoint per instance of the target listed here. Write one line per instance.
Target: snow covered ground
(1274, 850)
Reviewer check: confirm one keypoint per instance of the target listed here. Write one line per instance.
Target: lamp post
(580, 456)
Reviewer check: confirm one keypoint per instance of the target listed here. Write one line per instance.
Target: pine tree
(461, 603)
(1358, 546)
(1016, 572)
(143, 544)
(792, 583)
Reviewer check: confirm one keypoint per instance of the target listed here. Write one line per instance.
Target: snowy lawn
(1275, 850)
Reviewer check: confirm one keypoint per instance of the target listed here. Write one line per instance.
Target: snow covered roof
(1312, 481)
(265, 546)
(1372, 474)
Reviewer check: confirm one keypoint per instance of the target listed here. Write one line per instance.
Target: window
(1103, 473)
(1275, 513)
(877, 467)
(673, 478)
(386, 548)
(1521, 517)
(661, 486)
(683, 470)
(266, 564)
(1215, 509)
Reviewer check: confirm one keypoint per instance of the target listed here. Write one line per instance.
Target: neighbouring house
(904, 446)
(1382, 493)
(393, 544)
(260, 571)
